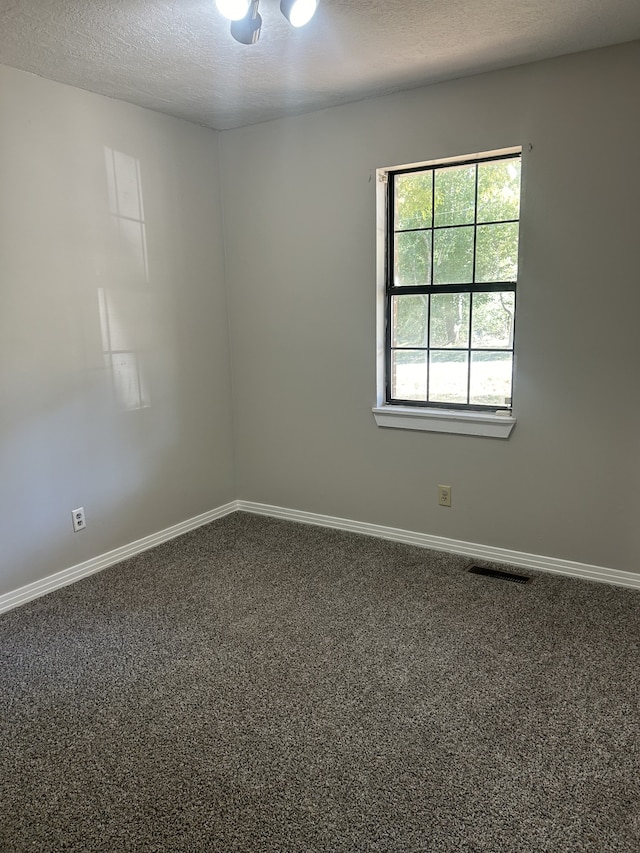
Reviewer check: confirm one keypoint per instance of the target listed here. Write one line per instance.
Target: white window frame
(497, 424)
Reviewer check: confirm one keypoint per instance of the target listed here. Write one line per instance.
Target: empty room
(319, 448)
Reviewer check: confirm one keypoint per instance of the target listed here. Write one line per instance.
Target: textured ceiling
(177, 56)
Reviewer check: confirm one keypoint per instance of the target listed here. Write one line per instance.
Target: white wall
(73, 431)
(299, 202)
(299, 205)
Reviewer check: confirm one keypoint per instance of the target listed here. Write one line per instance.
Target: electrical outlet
(79, 522)
(444, 495)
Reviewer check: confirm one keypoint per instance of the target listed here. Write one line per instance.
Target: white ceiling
(177, 56)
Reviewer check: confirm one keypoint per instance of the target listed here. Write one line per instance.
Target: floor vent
(496, 573)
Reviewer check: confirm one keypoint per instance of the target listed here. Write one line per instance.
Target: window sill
(445, 420)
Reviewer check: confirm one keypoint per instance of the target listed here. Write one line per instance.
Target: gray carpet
(266, 687)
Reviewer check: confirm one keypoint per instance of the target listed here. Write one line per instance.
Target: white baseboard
(453, 546)
(96, 564)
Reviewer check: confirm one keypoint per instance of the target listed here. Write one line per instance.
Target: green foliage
(492, 325)
(493, 319)
(412, 258)
(438, 228)
(455, 189)
(452, 201)
(498, 191)
(410, 320)
(453, 256)
(413, 201)
(450, 319)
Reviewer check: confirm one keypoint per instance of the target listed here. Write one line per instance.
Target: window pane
(413, 200)
(450, 320)
(454, 227)
(455, 195)
(448, 376)
(412, 259)
(491, 378)
(453, 256)
(492, 324)
(499, 190)
(409, 375)
(497, 252)
(409, 327)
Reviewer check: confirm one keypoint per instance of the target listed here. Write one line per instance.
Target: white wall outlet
(444, 495)
(79, 522)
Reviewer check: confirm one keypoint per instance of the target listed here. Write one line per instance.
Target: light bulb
(298, 12)
(234, 10)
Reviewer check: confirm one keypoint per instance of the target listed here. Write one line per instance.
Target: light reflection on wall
(121, 358)
(124, 307)
(124, 187)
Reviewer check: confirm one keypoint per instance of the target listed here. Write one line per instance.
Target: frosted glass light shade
(298, 12)
(234, 10)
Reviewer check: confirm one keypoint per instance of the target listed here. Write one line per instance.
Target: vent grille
(500, 575)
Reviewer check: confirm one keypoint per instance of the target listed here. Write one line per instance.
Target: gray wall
(299, 202)
(143, 440)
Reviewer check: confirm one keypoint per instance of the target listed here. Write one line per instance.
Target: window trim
(489, 424)
(431, 418)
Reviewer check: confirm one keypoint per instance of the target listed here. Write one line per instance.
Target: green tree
(445, 198)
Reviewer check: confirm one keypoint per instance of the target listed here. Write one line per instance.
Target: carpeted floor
(258, 686)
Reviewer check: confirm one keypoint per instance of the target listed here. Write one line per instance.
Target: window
(450, 271)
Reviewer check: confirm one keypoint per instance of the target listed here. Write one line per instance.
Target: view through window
(451, 272)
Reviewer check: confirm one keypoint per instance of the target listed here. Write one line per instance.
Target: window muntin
(451, 271)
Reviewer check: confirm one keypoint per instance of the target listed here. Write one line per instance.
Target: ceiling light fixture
(246, 21)
(298, 12)
(234, 10)
(247, 29)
